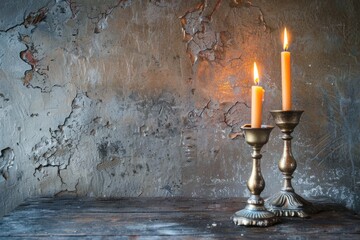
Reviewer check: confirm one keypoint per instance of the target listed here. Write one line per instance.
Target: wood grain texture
(145, 218)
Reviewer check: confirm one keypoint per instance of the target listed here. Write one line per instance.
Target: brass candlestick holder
(287, 202)
(255, 214)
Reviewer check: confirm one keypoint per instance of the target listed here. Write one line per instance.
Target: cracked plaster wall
(141, 98)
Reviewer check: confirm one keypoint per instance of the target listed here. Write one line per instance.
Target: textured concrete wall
(138, 98)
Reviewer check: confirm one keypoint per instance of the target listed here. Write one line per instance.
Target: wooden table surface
(169, 218)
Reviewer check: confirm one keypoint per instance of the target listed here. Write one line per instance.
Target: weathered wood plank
(133, 205)
(161, 217)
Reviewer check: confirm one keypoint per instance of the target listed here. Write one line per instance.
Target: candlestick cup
(255, 214)
(287, 202)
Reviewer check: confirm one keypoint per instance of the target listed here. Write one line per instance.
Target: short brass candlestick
(287, 202)
(255, 214)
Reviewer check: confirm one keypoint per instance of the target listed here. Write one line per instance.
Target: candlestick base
(290, 204)
(255, 214)
(287, 202)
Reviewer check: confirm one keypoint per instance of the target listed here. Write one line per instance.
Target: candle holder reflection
(255, 214)
(287, 202)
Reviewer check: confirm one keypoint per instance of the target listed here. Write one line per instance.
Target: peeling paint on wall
(58, 151)
(202, 41)
(7, 157)
(99, 17)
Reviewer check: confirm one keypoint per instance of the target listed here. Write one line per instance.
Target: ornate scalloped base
(290, 204)
(260, 218)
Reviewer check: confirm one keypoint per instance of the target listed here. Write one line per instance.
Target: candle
(286, 75)
(257, 97)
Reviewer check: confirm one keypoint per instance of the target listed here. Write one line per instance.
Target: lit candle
(257, 97)
(286, 75)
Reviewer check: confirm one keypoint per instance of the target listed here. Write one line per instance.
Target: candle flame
(286, 44)
(256, 74)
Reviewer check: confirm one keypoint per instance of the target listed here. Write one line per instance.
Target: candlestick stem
(255, 213)
(287, 202)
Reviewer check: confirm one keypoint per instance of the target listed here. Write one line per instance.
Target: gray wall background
(138, 98)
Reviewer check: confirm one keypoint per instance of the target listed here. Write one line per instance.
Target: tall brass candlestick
(255, 214)
(287, 202)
